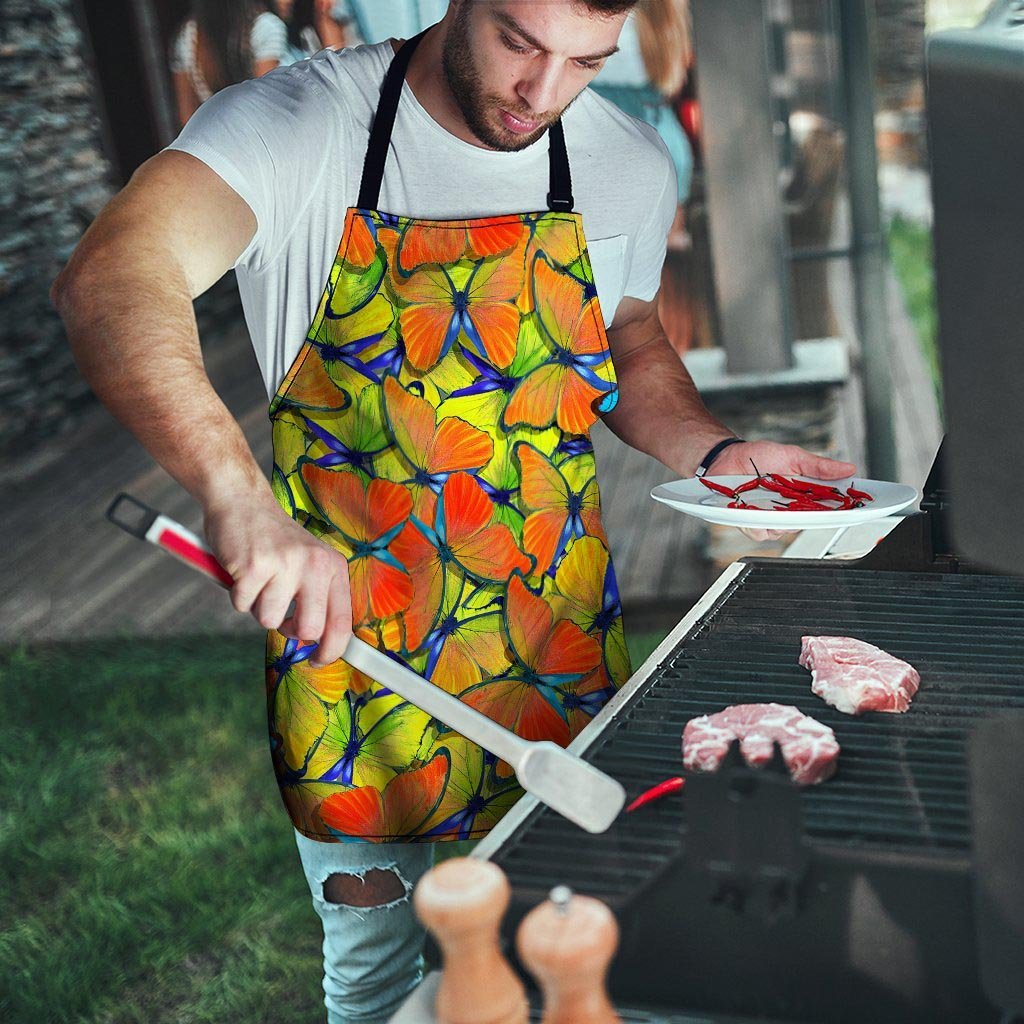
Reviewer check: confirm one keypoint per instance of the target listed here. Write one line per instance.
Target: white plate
(693, 498)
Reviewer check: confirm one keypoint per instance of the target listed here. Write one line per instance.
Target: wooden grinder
(462, 902)
(567, 943)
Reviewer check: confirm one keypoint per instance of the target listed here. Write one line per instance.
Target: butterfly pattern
(434, 430)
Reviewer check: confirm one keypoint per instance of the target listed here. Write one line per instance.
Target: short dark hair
(609, 6)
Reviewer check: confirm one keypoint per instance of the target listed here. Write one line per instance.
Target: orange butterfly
(579, 377)
(561, 511)
(460, 532)
(311, 389)
(549, 656)
(369, 518)
(434, 449)
(358, 272)
(361, 249)
(442, 303)
(446, 243)
(396, 813)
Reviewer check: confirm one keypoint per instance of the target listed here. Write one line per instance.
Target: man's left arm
(660, 412)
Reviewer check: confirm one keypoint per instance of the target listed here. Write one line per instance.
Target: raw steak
(809, 748)
(855, 677)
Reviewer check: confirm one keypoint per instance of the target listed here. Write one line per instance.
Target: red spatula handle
(146, 523)
(179, 542)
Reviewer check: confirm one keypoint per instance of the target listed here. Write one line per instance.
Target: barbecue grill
(893, 892)
(745, 895)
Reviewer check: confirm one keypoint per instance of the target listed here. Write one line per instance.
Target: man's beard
(463, 78)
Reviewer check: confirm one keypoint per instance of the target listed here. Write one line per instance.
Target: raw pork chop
(809, 748)
(855, 677)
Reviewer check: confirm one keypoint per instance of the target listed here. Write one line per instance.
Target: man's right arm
(126, 301)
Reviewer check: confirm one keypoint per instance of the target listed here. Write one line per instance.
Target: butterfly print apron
(434, 429)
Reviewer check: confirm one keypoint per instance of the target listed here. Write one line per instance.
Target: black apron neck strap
(560, 193)
(383, 123)
(560, 188)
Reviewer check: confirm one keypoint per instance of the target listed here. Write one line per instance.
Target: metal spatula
(568, 785)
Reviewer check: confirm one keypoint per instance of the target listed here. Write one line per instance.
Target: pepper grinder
(462, 901)
(567, 943)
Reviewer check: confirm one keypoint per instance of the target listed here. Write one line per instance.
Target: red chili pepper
(802, 495)
(786, 492)
(656, 793)
(720, 488)
(808, 487)
(773, 485)
(808, 505)
(793, 485)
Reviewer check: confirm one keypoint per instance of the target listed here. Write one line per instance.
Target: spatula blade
(574, 788)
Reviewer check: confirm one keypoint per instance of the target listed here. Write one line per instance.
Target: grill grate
(902, 780)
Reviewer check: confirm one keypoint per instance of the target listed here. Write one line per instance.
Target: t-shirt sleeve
(269, 139)
(269, 38)
(649, 249)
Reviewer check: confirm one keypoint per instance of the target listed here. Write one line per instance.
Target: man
(433, 379)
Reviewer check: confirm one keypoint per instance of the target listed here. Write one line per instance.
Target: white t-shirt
(292, 144)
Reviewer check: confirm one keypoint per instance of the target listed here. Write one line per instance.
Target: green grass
(641, 645)
(149, 872)
(910, 248)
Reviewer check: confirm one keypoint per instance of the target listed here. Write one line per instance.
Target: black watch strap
(705, 463)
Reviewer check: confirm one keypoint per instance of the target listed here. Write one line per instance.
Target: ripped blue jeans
(373, 955)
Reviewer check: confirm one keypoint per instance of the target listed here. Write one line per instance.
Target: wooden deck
(74, 575)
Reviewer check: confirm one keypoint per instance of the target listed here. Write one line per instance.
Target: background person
(223, 42)
(647, 75)
(646, 79)
(314, 24)
(375, 20)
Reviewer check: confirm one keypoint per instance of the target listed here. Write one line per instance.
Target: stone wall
(54, 178)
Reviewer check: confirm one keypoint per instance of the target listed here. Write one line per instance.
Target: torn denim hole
(361, 911)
